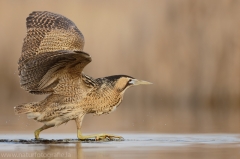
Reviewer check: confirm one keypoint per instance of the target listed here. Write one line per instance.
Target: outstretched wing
(41, 73)
(53, 43)
(48, 32)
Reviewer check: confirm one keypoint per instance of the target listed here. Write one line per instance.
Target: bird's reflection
(79, 150)
(69, 151)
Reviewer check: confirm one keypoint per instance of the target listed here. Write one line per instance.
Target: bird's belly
(60, 114)
(56, 121)
(62, 119)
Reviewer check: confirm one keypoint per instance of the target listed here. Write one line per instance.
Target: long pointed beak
(138, 82)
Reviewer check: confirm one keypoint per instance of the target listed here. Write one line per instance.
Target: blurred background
(189, 49)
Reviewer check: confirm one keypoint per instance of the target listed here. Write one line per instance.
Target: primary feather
(53, 46)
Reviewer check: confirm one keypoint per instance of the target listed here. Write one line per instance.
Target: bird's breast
(103, 103)
(106, 109)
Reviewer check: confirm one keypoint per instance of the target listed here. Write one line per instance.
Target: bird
(52, 63)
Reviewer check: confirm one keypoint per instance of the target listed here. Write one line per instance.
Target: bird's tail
(26, 108)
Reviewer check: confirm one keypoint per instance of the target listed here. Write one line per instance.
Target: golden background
(189, 50)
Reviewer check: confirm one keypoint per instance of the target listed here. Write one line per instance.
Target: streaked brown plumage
(51, 63)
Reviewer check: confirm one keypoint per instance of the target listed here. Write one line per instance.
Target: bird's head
(122, 82)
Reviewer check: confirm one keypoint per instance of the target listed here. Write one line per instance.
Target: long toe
(116, 137)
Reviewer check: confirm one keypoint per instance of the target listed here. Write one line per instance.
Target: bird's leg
(37, 132)
(96, 136)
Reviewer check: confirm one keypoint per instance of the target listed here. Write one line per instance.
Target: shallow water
(139, 146)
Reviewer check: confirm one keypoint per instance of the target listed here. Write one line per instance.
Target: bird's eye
(130, 81)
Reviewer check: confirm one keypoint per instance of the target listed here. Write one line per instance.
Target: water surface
(139, 146)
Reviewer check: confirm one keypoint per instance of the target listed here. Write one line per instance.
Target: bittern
(52, 62)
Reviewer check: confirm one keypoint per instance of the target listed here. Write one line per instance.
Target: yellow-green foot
(108, 136)
(37, 132)
(98, 136)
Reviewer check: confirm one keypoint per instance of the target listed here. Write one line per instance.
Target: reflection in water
(79, 151)
(196, 151)
(136, 146)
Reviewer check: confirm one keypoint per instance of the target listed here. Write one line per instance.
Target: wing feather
(53, 44)
(41, 73)
(48, 32)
